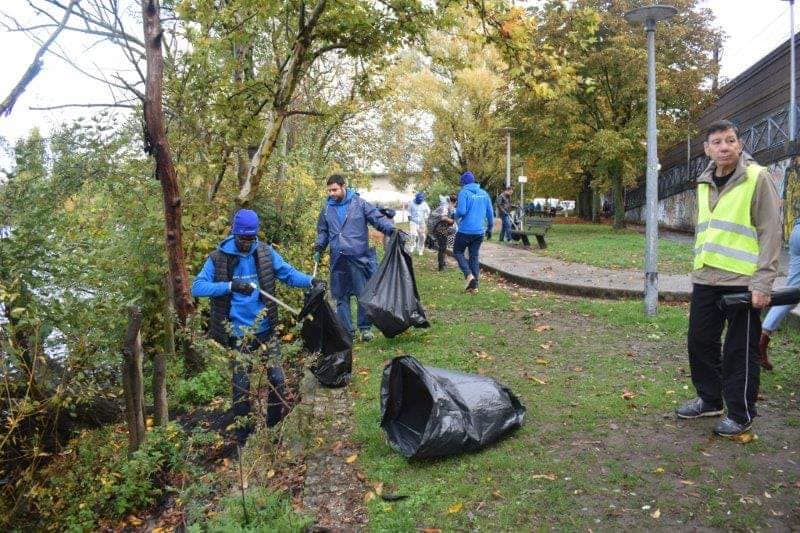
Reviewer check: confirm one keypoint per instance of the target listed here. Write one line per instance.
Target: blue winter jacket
(245, 307)
(342, 225)
(473, 208)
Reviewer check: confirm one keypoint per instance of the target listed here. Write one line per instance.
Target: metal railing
(763, 135)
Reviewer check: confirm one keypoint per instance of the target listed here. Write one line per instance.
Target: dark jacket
(503, 204)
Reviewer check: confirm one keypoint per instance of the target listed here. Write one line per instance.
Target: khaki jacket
(765, 216)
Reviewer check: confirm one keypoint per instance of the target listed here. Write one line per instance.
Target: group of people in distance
(738, 240)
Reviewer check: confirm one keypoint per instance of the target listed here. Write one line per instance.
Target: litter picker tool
(268, 296)
(314, 274)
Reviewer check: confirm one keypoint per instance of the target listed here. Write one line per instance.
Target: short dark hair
(338, 179)
(453, 197)
(722, 125)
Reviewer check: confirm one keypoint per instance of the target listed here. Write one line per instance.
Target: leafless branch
(36, 65)
(64, 106)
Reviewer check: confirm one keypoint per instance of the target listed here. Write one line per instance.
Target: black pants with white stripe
(728, 371)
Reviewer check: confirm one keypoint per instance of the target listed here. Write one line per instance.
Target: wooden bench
(536, 225)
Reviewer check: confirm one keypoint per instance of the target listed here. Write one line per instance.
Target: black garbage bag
(785, 296)
(390, 298)
(323, 334)
(276, 395)
(431, 412)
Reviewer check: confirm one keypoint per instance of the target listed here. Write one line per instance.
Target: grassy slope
(608, 456)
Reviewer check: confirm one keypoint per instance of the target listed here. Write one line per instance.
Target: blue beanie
(245, 222)
(467, 178)
(419, 197)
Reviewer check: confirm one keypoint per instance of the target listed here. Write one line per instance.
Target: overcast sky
(752, 33)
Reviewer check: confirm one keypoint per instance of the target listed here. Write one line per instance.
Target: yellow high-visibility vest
(726, 237)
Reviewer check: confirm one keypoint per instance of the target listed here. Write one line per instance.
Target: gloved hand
(317, 283)
(316, 256)
(241, 287)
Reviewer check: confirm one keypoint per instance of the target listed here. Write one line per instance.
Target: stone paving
(529, 269)
(332, 490)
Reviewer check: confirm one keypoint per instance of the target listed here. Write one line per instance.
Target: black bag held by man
(390, 298)
(322, 333)
(785, 296)
(431, 412)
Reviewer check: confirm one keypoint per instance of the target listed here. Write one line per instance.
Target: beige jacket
(765, 216)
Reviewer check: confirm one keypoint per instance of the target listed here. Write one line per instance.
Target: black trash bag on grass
(431, 412)
(390, 298)
(322, 333)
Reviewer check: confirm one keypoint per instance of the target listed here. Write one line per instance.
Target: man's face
(723, 147)
(243, 242)
(336, 192)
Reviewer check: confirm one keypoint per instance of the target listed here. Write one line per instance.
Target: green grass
(600, 245)
(604, 452)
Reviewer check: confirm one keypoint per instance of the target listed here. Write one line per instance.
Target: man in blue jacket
(474, 214)
(342, 224)
(231, 277)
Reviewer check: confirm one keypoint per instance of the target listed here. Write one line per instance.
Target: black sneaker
(697, 408)
(730, 428)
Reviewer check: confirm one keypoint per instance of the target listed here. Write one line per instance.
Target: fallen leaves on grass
(542, 327)
(456, 507)
(351, 459)
(551, 477)
(534, 378)
(546, 346)
(484, 355)
(378, 487)
(542, 361)
(369, 496)
(431, 530)
(627, 395)
(270, 474)
(656, 514)
(497, 494)
(659, 470)
(687, 481)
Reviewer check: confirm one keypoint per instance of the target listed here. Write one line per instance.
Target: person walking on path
(776, 314)
(738, 239)
(342, 225)
(504, 210)
(474, 214)
(232, 276)
(441, 226)
(418, 213)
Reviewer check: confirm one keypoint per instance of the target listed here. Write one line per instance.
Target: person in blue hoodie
(231, 277)
(342, 225)
(474, 213)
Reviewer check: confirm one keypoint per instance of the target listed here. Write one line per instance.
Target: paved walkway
(529, 269)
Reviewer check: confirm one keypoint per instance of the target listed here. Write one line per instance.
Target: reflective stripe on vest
(725, 237)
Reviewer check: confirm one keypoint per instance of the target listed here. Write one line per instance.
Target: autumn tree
(594, 133)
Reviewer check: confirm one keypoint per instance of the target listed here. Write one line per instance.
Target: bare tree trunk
(158, 145)
(132, 379)
(619, 201)
(160, 401)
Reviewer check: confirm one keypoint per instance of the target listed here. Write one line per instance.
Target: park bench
(531, 223)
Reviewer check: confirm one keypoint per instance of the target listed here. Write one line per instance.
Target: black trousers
(728, 371)
(441, 247)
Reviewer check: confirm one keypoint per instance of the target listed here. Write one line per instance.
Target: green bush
(202, 388)
(98, 480)
(266, 511)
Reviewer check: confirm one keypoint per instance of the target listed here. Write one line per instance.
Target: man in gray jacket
(738, 241)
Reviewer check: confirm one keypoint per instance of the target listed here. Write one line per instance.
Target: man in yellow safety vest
(738, 239)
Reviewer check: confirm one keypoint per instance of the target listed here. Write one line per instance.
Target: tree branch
(64, 106)
(36, 65)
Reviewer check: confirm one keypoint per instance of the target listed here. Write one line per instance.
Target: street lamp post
(508, 130)
(650, 15)
(792, 76)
